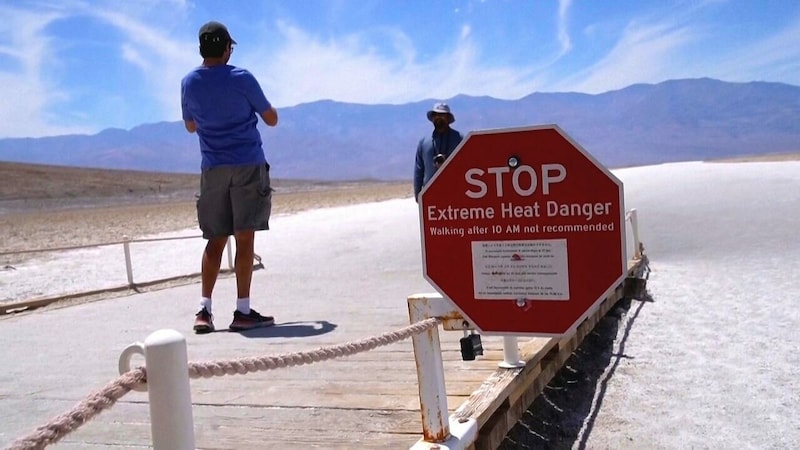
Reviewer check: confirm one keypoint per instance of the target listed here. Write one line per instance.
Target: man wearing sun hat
(222, 104)
(433, 150)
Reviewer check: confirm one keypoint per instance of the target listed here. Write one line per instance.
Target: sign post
(523, 230)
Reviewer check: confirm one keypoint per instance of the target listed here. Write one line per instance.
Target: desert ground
(52, 206)
(45, 206)
(49, 206)
(705, 389)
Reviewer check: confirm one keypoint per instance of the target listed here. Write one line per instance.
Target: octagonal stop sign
(523, 230)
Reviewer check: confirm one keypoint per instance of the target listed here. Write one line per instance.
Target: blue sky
(80, 66)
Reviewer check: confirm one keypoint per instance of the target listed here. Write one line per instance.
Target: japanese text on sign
(532, 270)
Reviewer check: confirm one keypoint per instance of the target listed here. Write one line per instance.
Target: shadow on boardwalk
(563, 415)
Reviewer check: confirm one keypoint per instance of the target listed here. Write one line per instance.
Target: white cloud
(776, 57)
(563, 27)
(644, 53)
(28, 95)
(651, 52)
(161, 59)
(351, 69)
(31, 97)
(373, 64)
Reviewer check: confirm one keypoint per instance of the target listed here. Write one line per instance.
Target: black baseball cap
(213, 32)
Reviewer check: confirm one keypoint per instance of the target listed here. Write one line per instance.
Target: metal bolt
(521, 302)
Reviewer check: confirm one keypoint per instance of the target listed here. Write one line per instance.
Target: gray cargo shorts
(234, 198)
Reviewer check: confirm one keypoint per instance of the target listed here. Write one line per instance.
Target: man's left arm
(255, 95)
(190, 125)
(270, 116)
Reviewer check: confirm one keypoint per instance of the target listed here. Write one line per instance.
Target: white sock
(243, 305)
(205, 302)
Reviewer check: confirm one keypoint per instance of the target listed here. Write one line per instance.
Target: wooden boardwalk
(367, 400)
(55, 357)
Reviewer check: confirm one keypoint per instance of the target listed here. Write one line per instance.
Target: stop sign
(523, 231)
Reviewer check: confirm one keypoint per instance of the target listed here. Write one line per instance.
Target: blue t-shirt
(225, 103)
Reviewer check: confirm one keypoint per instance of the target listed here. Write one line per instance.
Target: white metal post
(230, 254)
(171, 422)
(126, 245)
(511, 353)
(637, 251)
(166, 361)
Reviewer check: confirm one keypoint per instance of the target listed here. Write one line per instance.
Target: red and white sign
(523, 230)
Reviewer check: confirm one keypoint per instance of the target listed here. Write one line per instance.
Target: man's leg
(212, 259)
(251, 196)
(215, 218)
(243, 264)
(245, 318)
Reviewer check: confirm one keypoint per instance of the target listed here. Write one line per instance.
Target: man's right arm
(188, 120)
(270, 116)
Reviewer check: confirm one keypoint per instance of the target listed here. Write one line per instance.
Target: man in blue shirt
(434, 149)
(222, 104)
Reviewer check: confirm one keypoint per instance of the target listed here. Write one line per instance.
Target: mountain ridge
(675, 120)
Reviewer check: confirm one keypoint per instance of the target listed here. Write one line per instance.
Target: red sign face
(523, 231)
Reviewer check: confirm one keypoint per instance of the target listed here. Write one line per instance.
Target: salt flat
(713, 361)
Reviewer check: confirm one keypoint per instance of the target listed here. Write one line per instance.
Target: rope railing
(105, 398)
(81, 413)
(247, 365)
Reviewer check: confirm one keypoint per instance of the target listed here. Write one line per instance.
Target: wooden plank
(261, 427)
(490, 395)
(408, 401)
(505, 395)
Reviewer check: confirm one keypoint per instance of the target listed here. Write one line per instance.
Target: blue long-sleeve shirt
(427, 149)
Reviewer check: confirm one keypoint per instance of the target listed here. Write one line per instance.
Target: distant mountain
(675, 120)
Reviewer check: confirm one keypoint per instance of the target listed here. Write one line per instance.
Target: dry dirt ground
(48, 206)
(53, 206)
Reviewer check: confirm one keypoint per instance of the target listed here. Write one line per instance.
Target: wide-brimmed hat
(441, 108)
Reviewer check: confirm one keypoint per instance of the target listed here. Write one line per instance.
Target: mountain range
(676, 120)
